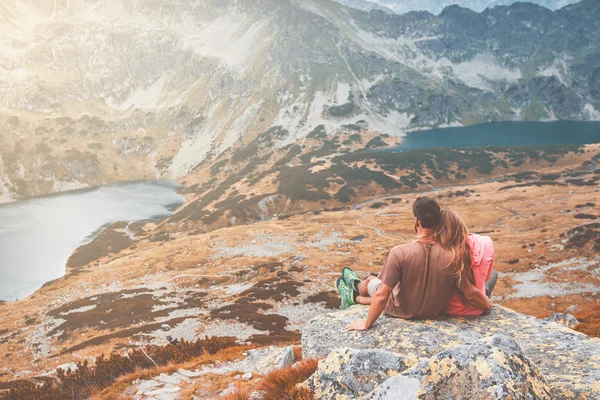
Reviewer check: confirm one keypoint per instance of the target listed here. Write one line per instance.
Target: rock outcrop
(502, 355)
(353, 373)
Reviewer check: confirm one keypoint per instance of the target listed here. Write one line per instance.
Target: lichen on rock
(492, 368)
(501, 355)
(349, 374)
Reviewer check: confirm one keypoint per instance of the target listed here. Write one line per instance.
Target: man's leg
(489, 285)
(363, 287)
(363, 292)
(367, 290)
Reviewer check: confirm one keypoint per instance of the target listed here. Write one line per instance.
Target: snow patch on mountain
(235, 39)
(593, 114)
(342, 93)
(480, 70)
(399, 49)
(143, 98)
(558, 69)
(476, 72)
(239, 126)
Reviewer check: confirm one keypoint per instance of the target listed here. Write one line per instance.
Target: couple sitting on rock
(445, 270)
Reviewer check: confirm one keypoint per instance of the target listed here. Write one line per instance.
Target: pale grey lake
(38, 235)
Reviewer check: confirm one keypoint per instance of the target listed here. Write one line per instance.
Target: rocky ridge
(437, 6)
(502, 355)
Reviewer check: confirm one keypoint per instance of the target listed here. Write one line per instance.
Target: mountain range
(97, 90)
(436, 6)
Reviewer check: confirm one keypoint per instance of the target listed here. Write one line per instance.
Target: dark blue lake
(504, 134)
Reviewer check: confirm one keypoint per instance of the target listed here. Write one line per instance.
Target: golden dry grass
(589, 322)
(297, 353)
(115, 391)
(281, 384)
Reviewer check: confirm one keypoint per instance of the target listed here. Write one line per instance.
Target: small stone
(566, 320)
(188, 374)
(258, 395)
(572, 309)
(147, 385)
(165, 327)
(174, 379)
(164, 392)
(287, 358)
(248, 376)
(230, 389)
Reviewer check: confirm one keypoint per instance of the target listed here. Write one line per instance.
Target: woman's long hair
(452, 234)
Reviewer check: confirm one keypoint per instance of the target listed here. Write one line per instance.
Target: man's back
(421, 280)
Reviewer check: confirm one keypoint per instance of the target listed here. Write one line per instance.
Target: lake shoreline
(41, 234)
(89, 189)
(501, 134)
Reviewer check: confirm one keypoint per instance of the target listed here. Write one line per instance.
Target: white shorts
(373, 286)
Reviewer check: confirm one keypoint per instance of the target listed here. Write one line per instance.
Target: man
(415, 282)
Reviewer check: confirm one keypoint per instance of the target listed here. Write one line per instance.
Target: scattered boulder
(262, 361)
(287, 357)
(229, 390)
(257, 395)
(566, 320)
(491, 368)
(188, 374)
(248, 376)
(543, 354)
(572, 309)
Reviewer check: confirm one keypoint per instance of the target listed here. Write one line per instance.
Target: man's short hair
(428, 212)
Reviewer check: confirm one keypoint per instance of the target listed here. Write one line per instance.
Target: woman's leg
(364, 300)
(489, 285)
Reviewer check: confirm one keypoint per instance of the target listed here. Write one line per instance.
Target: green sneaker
(350, 277)
(345, 292)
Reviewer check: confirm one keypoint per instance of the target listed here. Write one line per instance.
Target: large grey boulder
(568, 360)
(491, 369)
(353, 373)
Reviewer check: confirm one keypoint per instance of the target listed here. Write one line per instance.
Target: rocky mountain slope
(96, 91)
(437, 6)
(252, 182)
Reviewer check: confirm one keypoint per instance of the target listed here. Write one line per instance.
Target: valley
(201, 171)
(259, 271)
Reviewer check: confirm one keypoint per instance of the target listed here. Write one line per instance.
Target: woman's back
(482, 254)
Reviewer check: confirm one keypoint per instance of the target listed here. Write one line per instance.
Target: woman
(472, 259)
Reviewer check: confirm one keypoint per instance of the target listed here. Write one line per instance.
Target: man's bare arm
(475, 297)
(375, 310)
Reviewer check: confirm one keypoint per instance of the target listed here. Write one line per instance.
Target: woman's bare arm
(475, 297)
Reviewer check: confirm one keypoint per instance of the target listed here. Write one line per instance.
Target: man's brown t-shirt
(421, 281)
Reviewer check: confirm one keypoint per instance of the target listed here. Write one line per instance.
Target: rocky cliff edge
(502, 355)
